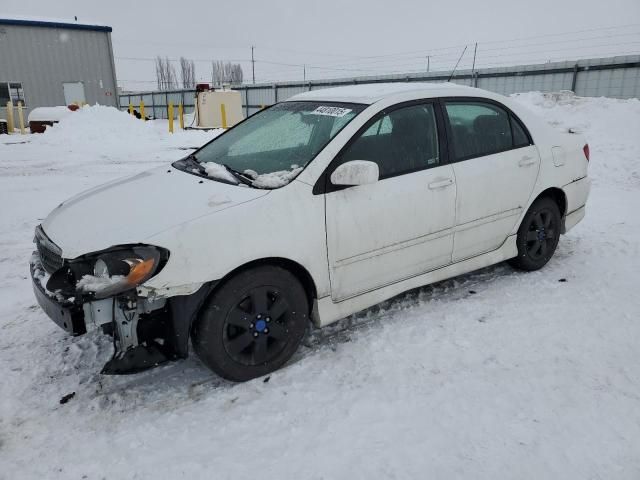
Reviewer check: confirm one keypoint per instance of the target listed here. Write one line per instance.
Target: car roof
(372, 93)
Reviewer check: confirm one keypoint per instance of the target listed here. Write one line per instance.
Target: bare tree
(165, 74)
(216, 72)
(236, 74)
(187, 73)
(226, 72)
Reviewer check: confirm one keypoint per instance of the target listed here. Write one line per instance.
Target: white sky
(350, 37)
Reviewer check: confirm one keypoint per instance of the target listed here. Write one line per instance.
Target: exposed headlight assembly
(108, 273)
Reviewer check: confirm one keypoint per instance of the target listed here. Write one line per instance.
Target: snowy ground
(497, 374)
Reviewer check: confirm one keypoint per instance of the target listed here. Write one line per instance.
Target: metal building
(48, 63)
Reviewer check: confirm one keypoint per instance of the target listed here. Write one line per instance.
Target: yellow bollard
(181, 116)
(170, 115)
(142, 116)
(130, 108)
(21, 118)
(10, 125)
(223, 115)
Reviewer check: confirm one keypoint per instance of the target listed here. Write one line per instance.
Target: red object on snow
(73, 107)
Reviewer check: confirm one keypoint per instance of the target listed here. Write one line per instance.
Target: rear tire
(252, 324)
(538, 235)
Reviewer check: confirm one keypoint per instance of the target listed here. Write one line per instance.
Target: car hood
(130, 210)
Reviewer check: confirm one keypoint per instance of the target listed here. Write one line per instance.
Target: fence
(617, 77)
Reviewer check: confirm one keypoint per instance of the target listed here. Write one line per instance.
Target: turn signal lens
(140, 271)
(585, 149)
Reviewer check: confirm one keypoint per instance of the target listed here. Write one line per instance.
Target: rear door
(402, 225)
(495, 165)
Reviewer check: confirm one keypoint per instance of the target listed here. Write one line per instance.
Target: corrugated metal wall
(617, 77)
(43, 58)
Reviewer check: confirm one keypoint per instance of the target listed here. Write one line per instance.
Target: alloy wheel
(256, 328)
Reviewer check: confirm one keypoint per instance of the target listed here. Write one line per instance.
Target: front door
(495, 167)
(402, 225)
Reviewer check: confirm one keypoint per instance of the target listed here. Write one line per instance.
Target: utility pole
(253, 66)
(428, 58)
(304, 73)
(473, 68)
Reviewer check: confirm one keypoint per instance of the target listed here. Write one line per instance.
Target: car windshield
(271, 148)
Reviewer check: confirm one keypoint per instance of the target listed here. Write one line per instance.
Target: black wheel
(538, 235)
(252, 324)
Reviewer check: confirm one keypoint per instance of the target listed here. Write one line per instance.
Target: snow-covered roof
(30, 21)
(371, 93)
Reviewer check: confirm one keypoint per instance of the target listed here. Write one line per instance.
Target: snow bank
(102, 129)
(48, 114)
(99, 135)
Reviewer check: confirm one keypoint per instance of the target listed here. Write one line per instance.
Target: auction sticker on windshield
(331, 111)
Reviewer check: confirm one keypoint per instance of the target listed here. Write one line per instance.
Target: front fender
(288, 223)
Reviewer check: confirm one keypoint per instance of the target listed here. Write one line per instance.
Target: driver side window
(402, 141)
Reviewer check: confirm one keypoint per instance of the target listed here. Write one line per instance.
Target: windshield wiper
(193, 161)
(243, 177)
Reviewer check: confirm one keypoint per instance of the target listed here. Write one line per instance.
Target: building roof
(51, 23)
(371, 93)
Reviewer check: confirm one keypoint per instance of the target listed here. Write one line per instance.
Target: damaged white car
(308, 211)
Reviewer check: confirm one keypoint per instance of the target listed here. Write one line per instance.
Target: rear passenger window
(402, 141)
(520, 137)
(478, 129)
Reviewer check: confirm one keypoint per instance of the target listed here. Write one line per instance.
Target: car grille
(50, 254)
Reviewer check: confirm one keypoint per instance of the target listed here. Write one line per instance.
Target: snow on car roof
(371, 93)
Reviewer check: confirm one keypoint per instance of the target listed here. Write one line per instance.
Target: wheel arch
(186, 309)
(300, 272)
(558, 196)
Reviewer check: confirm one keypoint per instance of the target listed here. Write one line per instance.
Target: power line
(404, 57)
(390, 63)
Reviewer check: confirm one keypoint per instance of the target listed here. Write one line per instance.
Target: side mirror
(356, 172)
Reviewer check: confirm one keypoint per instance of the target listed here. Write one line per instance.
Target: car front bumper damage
(146, 331)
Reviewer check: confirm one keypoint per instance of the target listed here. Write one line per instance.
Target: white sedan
(308, 211)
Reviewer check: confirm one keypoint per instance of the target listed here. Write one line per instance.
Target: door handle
(442, 183)
(526, 161)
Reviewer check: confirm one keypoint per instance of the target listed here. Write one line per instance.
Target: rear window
(480, 128)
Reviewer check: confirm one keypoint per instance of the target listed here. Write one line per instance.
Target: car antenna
(454, 68)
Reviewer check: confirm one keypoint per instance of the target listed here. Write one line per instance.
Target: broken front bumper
(143, 333)
(66, 313)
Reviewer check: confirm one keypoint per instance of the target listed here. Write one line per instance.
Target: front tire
(252, 324)
(538, 235)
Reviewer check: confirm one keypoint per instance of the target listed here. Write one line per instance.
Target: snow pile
(265, 180)
(48, 114)
(274, 179)
(107, 126)
(219, 172)
(95, 136)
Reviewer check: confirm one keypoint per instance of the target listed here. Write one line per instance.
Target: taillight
(585, 149)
